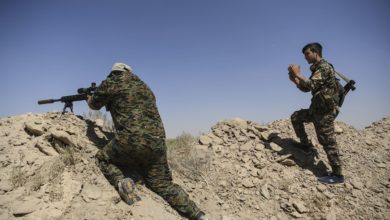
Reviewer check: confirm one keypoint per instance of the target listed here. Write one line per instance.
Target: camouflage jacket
(132, 105)
(323, 86)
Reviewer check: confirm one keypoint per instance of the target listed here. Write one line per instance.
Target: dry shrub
(92, 115)
(18, 175)
(186, 159)
(50, 171)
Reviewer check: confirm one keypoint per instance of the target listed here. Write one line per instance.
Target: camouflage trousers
(149, 162)
(324, 127)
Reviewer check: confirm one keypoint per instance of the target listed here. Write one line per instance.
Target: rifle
(68, 100)
(349, 86)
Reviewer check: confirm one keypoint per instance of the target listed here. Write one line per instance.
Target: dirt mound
(258, 174)
(48, 171)
(243, 171)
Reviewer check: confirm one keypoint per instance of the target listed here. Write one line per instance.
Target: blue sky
(205, 60)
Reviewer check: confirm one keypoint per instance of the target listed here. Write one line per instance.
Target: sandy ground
(239, 170)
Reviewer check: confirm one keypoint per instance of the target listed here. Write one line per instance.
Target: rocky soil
(242, 170)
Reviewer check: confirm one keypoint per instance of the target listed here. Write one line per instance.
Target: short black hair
(314, 47)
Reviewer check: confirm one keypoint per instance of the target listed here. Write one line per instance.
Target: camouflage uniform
(322, 111)
(139, 142)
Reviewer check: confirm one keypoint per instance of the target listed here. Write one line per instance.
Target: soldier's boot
(126, 190)
(332, 179)
(201, 216)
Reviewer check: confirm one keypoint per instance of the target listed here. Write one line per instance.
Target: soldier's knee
(101, 156)
(294, 117)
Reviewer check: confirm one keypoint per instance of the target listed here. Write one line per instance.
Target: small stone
(338, 129)
(321, 188)
(205, 140)
(99, 122)
(369, 142)
(259, 147)
(46, 149)
(264, 191)
(5, 186)
(24, 207)
(300, 206)
(247, 182)
(34, 129)
(357, 184)
(223, 183)
(63, 137)
(217, 148)
(296, 214)
(17, 142)
(269, 135)
(381, 165)
(91, 192)
(275, 147)
(288, 162)
(246, 147)
(224, 217)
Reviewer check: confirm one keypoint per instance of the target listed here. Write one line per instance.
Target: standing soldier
(323, 109)
(139, 142)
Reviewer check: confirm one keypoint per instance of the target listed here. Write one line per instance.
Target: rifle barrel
(47, 101)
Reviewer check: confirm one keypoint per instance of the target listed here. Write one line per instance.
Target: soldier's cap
(121, 67)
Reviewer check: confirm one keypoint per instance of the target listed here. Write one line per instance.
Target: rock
(247, 146)
(25, 206)
(338, 129)
(5, 186)
(215, 139)
(264, 191)
(223, 183)
(357, 184)
(201, 148)
(45, 148)
(239, 123)
(300, 206)
(288, 162)
(34, 129)
(224, 217)
(17, 142)
(321, 188)
(205, 140)
(331, 215)
(275, 147)
(259, 147)
(284, 157)
(296, 214)
(63, 137)
(247, 182)
(99, 122)
(381, 165)
(217, 148)
(91, 192)
(269, 135)
(369, 142)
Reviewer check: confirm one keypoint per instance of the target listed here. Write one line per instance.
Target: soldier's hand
(291, 76)
(294, 69)
(89, 99)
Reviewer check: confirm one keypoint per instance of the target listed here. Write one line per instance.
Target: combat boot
(201, 216)
(126, 190)
(332, 179)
